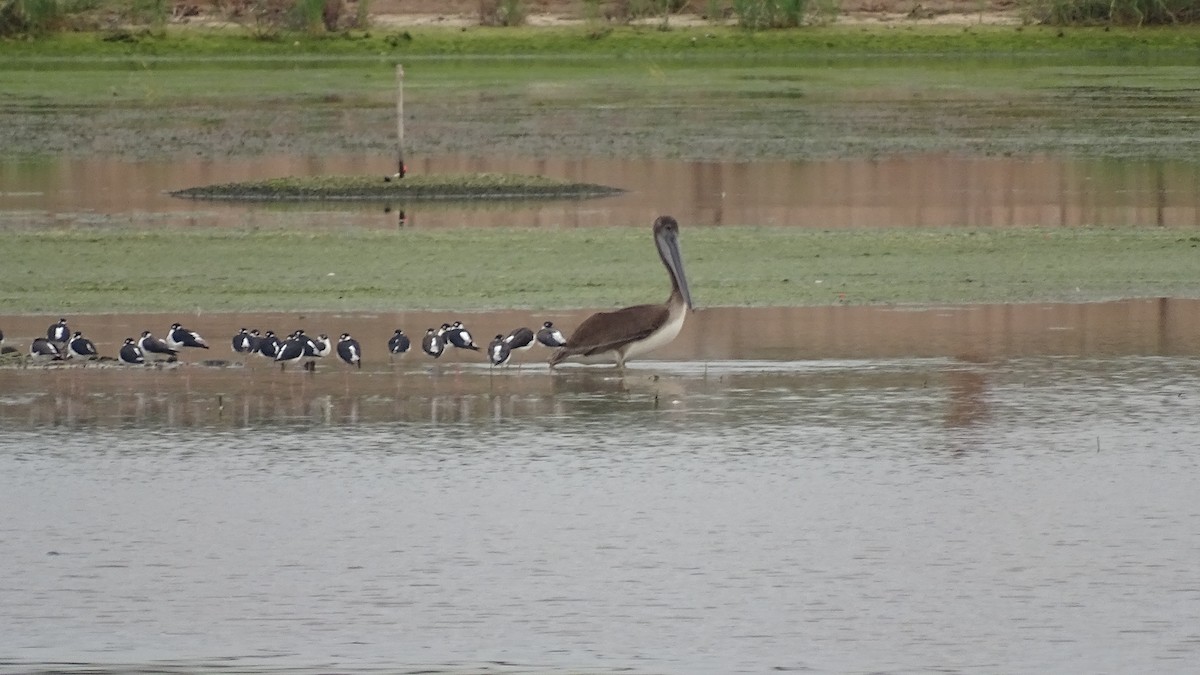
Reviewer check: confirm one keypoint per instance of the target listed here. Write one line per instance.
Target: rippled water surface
(1031, 513)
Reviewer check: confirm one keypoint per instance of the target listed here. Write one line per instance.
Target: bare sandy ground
(568, 12)
(551, 13)
(990, 18)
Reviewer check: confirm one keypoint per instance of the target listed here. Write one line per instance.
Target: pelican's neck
(675, 301)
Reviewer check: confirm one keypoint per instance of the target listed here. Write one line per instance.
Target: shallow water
(1036, 514)
(1149, 326)
(932, 190)
(1027, 505)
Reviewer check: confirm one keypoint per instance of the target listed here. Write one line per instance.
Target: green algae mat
(484, 186)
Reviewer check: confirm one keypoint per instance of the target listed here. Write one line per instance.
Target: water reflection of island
(924, 190)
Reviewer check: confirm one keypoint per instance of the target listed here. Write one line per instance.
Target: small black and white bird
(498, 350)
(245, 342)
(459, 336)
(269, 344)
(59, 333)
(349, 350)
(43, 349)
(519, 339)
(322, 346)
(154, 349)
(399, 342)
(296, 347)
(81, 347)
(312, 351)
(551, 336)
(130, 353)
(432, 344)
(179, 337)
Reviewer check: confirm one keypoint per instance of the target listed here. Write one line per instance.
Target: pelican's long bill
(666, 237)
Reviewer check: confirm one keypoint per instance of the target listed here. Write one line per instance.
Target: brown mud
(1157, 326)
(721, 351)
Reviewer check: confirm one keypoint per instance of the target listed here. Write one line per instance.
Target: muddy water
(1156, 326)
(1031, 513)
(717, 346)
(907, 191)
(833, 489)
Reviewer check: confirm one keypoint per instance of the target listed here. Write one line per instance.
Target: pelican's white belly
(661, 337)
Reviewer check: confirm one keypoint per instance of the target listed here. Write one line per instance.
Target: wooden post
(400, 168)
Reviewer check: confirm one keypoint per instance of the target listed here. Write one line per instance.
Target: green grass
(607, 41)
(118, 271)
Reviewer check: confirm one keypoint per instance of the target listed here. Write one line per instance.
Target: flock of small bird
(61, 343)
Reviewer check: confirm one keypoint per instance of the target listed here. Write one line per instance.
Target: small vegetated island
(468, 186)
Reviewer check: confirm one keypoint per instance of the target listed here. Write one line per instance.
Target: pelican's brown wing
(603, 331)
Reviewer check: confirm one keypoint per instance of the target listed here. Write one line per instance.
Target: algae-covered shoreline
(471, 269)
(686, 93)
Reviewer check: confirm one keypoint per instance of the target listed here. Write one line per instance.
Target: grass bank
(606, 40)
(126, 271)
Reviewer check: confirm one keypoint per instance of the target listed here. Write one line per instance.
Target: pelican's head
(666, 237)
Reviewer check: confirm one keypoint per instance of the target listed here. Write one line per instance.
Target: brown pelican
(608, 337)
